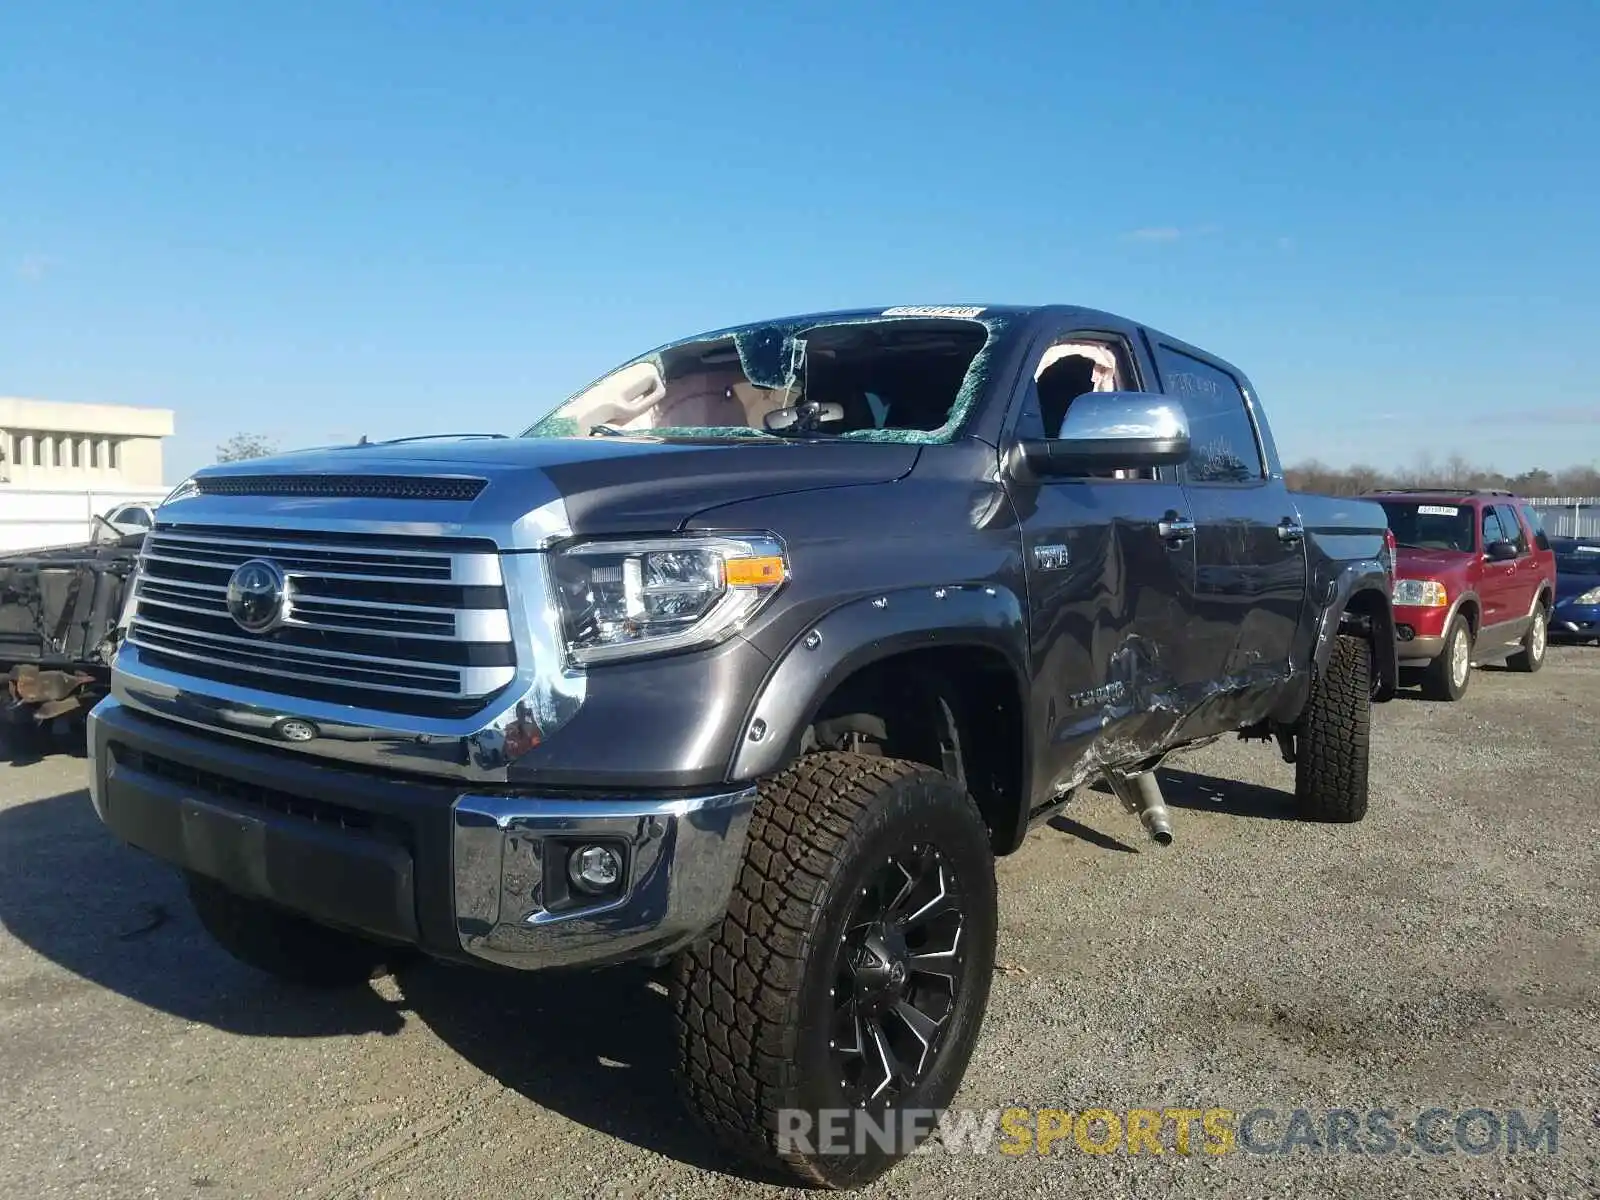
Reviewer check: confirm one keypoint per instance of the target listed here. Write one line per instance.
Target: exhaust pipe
(1141, 794)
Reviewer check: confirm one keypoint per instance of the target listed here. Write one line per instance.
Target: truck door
(1107, 588)
(1250, 555)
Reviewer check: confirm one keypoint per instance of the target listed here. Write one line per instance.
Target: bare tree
(1455, 472)
(246, 445)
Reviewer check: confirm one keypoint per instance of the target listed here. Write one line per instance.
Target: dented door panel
(1108, 607)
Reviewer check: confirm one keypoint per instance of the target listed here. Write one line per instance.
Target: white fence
(1568, 516)
(34, 517)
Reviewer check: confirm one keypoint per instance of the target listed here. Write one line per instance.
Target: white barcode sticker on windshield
(1438, 510)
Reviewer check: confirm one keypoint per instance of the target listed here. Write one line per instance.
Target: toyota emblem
(256, 594)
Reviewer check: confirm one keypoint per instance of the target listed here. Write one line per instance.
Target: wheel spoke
(937, 962)
(857, 1048)
(923, 1027)
(933, 908)
(906, 887)
(892, 1070)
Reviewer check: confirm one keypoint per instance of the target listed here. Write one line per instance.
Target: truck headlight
(1592, 596)
(1420, 593)
(625, 599)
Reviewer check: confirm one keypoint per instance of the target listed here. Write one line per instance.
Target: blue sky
(315, 221)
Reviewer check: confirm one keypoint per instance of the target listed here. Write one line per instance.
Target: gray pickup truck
(748, 659)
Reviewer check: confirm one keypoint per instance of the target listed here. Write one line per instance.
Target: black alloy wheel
(898, 975)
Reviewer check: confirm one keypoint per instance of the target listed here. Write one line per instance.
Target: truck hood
(532, 489)
(1431, 564)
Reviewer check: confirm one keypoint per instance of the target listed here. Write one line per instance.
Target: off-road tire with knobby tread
(752, 1000)
(286, 945)
(1333, 739)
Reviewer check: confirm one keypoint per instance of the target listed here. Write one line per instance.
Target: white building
(45, 444)
(61, 464)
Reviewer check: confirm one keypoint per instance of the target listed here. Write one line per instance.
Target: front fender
(1367, 579)
(864, 631)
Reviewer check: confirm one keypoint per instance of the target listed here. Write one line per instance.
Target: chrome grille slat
(362, 618)
(291, 568)
(192, 585)
(178, 651)
(288, 541)
(215, 610)
(315, 612)
(375, 606)
(277, 657)
(206, 556)
(249, 642)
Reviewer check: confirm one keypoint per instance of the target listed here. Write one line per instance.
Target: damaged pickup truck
(747, 659)
(59, 612)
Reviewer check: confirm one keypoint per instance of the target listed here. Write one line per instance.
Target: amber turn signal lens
(754, 572)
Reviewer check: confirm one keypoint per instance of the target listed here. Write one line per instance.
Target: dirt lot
(1443, 953)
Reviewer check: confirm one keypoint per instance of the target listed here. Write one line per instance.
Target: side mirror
(1109, 431)
(1501, 551)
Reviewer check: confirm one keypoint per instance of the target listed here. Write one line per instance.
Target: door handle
(1290, 530)
(1175, 530)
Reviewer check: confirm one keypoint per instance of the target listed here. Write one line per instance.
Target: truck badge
(256, 593)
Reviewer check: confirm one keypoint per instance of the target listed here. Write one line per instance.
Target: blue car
(1576, 616)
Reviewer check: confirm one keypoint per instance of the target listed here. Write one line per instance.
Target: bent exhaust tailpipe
(1141, 794)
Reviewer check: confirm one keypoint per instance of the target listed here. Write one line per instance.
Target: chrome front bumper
(462, 874)
(514, 906)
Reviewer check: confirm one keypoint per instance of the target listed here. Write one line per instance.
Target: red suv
(1474, 582)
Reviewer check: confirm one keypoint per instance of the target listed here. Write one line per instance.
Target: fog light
(594, 869)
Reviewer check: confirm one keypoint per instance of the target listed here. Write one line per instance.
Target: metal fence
(1568, 516)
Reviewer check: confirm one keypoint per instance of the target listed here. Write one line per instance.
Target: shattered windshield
(907, 375)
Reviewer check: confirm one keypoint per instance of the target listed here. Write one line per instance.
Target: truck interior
(1071, 369)
(903, 374)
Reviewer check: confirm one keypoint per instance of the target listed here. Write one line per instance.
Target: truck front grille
(411, 625)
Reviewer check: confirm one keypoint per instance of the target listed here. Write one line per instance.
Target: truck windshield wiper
(613, 431)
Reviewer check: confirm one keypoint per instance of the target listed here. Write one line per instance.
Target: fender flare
(1357, 578)
(864, 631)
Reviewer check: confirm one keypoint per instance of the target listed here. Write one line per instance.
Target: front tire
(1333, 741)
(283, 944)
(851, 972)
(1447, 676)
(1534, 643)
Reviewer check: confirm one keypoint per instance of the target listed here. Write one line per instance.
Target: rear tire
(1333, 740)
(867, 888)
(286, 945)
(1447, 677)
(1534, 643)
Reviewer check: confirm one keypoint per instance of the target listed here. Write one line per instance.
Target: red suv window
(1530, 517)
(1514, 532)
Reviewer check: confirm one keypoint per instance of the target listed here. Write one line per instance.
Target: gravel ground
(1442, 953)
